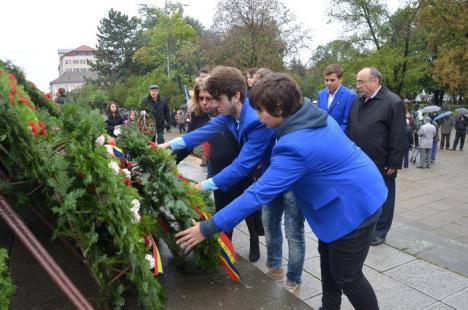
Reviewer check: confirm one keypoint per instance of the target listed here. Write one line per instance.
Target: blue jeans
(434, 151)
(294, 227)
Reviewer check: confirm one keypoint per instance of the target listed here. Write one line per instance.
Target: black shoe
(254, 253)
(420, 167)
(377, 241)
(428, 166)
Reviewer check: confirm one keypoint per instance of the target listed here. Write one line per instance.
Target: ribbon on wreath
(227, 256)
(155, 253)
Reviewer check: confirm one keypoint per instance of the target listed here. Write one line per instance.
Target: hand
(190, 237)
(391, 171)
(198, 186)
(165, 146)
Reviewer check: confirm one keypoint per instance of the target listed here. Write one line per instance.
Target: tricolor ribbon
(227, 257)
(157, 257)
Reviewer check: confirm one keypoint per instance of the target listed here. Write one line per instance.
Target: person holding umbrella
(446, 126)
(460, 132)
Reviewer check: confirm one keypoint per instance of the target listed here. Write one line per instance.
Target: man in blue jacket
(339, 189)
(336, 99)
(228, 88)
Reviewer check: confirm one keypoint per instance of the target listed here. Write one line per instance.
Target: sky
(31, 32)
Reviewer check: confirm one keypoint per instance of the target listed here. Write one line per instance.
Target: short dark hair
(61, 91)
(333, 68)
(226, 81)
(262, 72)
(278, 94)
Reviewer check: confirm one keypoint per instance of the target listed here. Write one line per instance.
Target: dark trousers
(341, 263)
(459, 136)
(160, 135)
(444, 141)
(386, 217)
(405, 157)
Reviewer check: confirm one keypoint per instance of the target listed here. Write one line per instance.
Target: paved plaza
(424, 262)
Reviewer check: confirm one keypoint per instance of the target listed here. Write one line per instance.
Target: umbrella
(461, 110)
(442, 115)
(430, 109)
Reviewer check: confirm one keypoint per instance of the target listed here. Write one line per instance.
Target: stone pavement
(424, 263)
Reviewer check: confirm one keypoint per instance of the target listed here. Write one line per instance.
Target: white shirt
(331, 96)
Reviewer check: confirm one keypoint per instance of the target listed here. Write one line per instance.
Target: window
(76, 70)
(83, 69)
(82, 61)
(76, 61)
(68, 70)
(67, 62)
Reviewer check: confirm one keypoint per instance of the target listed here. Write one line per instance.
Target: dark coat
(159, 109)
(378, 128)
(112, 122)
(460, 125)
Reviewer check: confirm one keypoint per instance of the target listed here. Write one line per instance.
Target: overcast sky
(31, 32)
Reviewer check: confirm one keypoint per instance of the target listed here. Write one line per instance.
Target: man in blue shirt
(336, 99)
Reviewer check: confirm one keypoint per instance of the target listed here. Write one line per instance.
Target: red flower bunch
(43, 128)
(154, 146)
(34, 127)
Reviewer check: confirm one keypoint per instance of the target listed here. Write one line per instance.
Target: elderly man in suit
(336, 99)
(377, 125)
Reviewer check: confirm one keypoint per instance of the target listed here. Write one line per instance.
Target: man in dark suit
(336, 99)
(158, 107)
(377, 125)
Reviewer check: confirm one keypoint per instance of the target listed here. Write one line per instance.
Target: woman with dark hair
(249, 79)
(114, 119)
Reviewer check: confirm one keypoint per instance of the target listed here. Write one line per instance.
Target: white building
(74, 68)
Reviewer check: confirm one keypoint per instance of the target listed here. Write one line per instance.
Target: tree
(255, 33)
(117, 42)
(444, 23)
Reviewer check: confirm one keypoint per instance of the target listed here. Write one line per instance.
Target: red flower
(27, 103)
(147, 240)
(11, 77)
(43, 128)
(13, 88)
(47, 96)
(34, 127)
(11, 97)
(154, 146)
(122, 163)
(127, 181)
(183, 179)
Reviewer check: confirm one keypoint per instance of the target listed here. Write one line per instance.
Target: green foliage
(172, 201)
(6, 286)
(90, 94)
(117, 42)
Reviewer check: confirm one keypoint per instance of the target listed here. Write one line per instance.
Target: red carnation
(154, 146)
(34, 127)
(43, 128)
(127, 181)
(11, 97)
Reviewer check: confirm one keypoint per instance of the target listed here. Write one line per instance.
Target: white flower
(117, 131)
(151, 260)
(109, 148)
(135, 209)
(143, 112)
(101, 139)
(114, 166)
(128, 174)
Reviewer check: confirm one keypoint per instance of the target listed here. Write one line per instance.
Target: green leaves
(6, 286)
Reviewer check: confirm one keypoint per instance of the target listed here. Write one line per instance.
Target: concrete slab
(384, 257)
(428, 279)
(438, 306)
(458, 300)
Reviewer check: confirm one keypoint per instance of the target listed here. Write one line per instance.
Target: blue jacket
(255, 141)
(336, 185)
(340, 106)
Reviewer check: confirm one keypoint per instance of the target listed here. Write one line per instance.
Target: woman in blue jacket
(338, 188)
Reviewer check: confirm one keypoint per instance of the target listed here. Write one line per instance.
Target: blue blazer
(336, 185)
(340, 106)
(255, 141)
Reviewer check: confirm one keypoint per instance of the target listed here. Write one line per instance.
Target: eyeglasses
(203, 98)
(360, 82)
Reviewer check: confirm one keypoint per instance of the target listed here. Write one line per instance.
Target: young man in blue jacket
(228, 89)
(336, 99)
(338, 188)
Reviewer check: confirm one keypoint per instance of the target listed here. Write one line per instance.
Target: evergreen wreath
(50, 156)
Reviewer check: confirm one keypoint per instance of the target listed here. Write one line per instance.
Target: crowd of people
(272, 155)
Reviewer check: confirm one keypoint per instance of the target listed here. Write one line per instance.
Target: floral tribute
(111, 208)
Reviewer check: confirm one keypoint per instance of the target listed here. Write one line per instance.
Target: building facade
(74, 68)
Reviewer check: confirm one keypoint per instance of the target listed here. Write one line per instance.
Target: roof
(82, 48)
(75, 77)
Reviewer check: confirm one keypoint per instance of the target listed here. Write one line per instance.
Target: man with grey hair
(377, 124)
